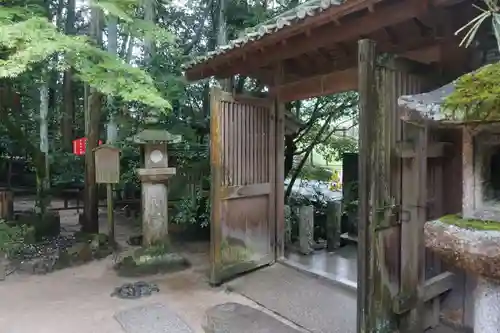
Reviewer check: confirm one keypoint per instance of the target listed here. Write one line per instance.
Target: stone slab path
(308, 302)
(239, 318)
(152, 318)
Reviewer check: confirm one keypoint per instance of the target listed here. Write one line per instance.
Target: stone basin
(471, 245)
(474, 246)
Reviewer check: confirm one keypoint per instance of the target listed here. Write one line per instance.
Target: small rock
(135, 290)
(80, 252)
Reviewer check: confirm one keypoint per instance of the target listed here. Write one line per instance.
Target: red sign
(79, 146)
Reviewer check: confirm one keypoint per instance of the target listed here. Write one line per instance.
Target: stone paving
(78, 300)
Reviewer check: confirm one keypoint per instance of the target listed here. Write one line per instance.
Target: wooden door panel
(243, 184)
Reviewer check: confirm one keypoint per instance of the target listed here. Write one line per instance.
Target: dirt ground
(78, 299)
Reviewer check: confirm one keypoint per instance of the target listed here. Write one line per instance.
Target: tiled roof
(288, 18)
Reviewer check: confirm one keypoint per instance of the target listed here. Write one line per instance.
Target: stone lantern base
(155, 204)
(474, 246)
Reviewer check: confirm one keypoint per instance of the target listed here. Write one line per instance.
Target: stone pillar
(333, 223)
(155, 213)
(155, 204)
(487, 306)
(306, 229)
(3, 266)
(288, 225)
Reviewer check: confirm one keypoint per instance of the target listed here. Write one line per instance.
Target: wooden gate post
(6, 204)
(376, 244)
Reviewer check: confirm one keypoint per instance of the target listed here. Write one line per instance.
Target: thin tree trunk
(43, 182)
(112, 128)
(149, 16)
(130, 48)
(91, 216)
(226, 84)
(68, 98)
(307, 153)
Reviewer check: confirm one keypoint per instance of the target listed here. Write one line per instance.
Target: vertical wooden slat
(231, 147)
(215, 196)
(367, 111)
(237, 141)
(262, 145)
(280, 167)
(252, 150)
(242, 112)
(272, 173)
(224, 134)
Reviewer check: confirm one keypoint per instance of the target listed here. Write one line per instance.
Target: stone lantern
(469, 239)
(154, 176)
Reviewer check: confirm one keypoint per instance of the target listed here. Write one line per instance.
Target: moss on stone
(476, 96)
(473, 224)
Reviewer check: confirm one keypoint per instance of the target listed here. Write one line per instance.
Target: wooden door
(242, 156)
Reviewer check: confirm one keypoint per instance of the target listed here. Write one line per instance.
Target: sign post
(107, 165)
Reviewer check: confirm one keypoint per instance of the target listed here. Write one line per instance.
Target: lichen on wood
(476, 96)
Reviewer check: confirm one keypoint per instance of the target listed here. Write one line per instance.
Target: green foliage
(120, 9)
(476, 96)
(36, 40)
(12, 238)
(67, 169)
(315, 173)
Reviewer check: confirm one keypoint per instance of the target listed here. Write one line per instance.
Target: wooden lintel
(406, 150)
(320, 85)
(425, 55)
(438, 285)
(324, 35)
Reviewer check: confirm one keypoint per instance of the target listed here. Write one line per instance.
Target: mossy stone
(474, 224)
(147, 261)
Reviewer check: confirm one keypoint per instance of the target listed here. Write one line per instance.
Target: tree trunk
(226, 84)
(43, 181)
(91, 216)
(68, 98)
(308, 151)
(112, 128)
(149, 16)
(6, 204)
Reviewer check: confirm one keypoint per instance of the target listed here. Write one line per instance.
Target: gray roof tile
(288, 18)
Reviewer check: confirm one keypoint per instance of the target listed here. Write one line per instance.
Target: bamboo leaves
(473, 26)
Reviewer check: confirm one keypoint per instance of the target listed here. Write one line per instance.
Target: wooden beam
(412, 241)
(330, 34)
(438, 285)
(426, 55)
(319, 85)
(279, 123)
(376, 283)
(437, 149)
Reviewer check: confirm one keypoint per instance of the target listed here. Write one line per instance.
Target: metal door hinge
(395, 217)
(403, 303)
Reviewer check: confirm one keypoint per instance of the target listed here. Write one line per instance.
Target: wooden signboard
(107, 165)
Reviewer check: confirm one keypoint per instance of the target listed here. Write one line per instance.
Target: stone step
(239, 318)
(152, 318)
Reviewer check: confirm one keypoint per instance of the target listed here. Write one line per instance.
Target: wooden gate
(396, 165)
(242, 155)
